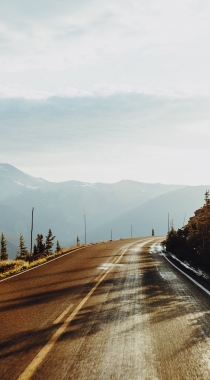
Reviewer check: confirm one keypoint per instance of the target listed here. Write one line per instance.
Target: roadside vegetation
(3, 248)
(192, 242)
(42, 252)
(11, 267)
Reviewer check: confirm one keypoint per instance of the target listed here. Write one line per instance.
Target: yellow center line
(59, 319)
(38, 359)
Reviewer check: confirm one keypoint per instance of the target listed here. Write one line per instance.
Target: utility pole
(184, 219)
(111, 234)
(168, 222)
(131, 231)
(85, 227)
(32, 225)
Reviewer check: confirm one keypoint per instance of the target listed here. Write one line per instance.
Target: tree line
(192, 241)
(40, 248)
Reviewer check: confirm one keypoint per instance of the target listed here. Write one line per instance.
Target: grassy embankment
(11, 267)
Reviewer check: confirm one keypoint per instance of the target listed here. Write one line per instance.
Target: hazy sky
(104, 91)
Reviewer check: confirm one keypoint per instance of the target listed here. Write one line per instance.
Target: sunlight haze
(100, 92)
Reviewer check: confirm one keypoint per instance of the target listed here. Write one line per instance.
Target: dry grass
(11, 267)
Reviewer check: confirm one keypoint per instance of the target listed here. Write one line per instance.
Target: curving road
(115, 310)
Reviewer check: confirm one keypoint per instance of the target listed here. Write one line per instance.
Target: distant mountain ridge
(12, 179)
(62, 206)
(178, 204)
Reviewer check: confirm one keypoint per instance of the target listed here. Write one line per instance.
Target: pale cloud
(86, 45)
(140, 137)
(105, 90)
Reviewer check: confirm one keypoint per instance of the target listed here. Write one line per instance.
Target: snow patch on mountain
(19, 183)
(27, 186)
(32, 187)
(86, 184)
(2, 168)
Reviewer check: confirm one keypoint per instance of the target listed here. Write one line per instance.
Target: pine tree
(35, 250)
(78, 240)
(3, 255)
(58, 247)
(49, 242)
(39, 247)
(207, 224)
(23, 252)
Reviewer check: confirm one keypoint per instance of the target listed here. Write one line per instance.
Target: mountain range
(107, 207)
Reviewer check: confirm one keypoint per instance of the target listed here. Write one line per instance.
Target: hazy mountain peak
(6, 167)
(14, 182)
(11, 172)
(61, 206)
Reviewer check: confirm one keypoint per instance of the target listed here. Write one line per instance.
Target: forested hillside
(192, 241)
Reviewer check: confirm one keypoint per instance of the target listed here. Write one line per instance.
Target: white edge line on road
(35, 363)
(47, 262)
(190, 278)
(40, 265)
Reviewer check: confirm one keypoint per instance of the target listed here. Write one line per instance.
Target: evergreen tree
(3, 252)
(49, 242)
(78, 240)
(153, 232)
(39, 247)
(58, 247)
(192, 241)
(23, 252)
(35, 250)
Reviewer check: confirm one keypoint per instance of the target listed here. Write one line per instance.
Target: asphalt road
(115, 310)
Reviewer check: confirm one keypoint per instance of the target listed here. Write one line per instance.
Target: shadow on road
(152, 288)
